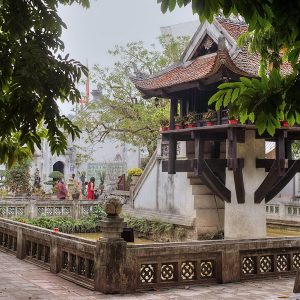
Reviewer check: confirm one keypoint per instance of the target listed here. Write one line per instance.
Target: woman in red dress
(91, 189)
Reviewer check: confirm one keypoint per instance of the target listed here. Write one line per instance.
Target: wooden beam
(267, 163)
(172, 155)
(214, 183)
(232, 148)
(283, 180)
(185, 165)
(239, 181)
(217, 165)
(280, 151)
(267, 183)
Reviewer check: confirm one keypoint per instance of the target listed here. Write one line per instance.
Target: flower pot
(210, 123)
(232, 122)
(134, 179)
(178, 127)
(192, 125)
(164, 128)
(284, 123)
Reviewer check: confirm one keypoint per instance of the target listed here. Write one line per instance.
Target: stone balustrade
(110, 265)
(283, 211)
(31, 208)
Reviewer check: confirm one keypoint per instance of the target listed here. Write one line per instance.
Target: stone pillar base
(246, 220)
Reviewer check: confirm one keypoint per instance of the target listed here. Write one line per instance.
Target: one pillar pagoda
(228, 158)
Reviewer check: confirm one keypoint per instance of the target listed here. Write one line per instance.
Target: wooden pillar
(280, 151)
(199, 153)
(172, 154)
(288, 149)
(173, 112)
(172, 141)
(183, 107)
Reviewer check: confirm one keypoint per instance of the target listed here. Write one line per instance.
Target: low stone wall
(111, 265)
(31, 208)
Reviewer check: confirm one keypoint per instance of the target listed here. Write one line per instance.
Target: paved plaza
(21, 280)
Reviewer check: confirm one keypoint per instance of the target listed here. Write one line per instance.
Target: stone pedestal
(110, 255)
(246, 220)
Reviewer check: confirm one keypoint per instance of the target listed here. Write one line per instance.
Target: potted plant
(284, 123)
(164, 123)
(191, 119)
(232, 119)
(134, 174)
(209, 117)
(179, 122)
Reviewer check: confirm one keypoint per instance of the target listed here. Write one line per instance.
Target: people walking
(91, 189)
(61, 190)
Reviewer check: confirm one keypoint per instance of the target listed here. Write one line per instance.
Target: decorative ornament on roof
(221, 43)
(137, 72)
(232, 18)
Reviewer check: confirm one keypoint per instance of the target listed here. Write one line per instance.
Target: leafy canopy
(122, 113)
(273, 33)
(34, 76)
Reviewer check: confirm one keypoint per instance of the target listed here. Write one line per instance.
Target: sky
(92, 32)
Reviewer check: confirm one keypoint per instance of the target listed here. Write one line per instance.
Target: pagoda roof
(197, 70)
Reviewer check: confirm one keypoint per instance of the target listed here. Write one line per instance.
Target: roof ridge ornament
(137, 72)
(221, 43)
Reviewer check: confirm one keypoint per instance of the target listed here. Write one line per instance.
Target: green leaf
(235, 94)
(216, 97)
(246, 81)
(172, 4)
(164, 6)
(227, 98)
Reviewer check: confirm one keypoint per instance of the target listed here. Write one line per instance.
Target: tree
(34, 76)
(17, 179)
(122, 113)
(274, 34)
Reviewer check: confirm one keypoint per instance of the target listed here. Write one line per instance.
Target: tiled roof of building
(199, 68)
(242, 64)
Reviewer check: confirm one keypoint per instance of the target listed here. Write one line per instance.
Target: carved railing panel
(8, 240)
(269, 263)
(80, 265)
(195, 270)
(38, 251)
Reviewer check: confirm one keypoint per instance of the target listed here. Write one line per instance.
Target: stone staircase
(209, 209)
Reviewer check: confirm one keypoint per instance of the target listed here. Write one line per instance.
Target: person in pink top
(61, 190)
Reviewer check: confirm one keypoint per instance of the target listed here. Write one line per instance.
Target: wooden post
(280, 151)
(172, 154)
(183, 107)
(173, 112)
(199, 153)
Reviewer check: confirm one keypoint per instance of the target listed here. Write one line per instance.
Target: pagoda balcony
(209, 162)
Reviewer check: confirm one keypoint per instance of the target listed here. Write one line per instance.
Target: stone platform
(20, 280)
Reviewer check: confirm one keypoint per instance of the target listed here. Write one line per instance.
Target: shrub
(17, 179)
(135, 172)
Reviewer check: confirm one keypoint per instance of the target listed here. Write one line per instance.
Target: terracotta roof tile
(243, 64)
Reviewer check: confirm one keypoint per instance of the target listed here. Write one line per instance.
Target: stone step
(195, 181)
(192, 175)
(207, 201)
(200, 190)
